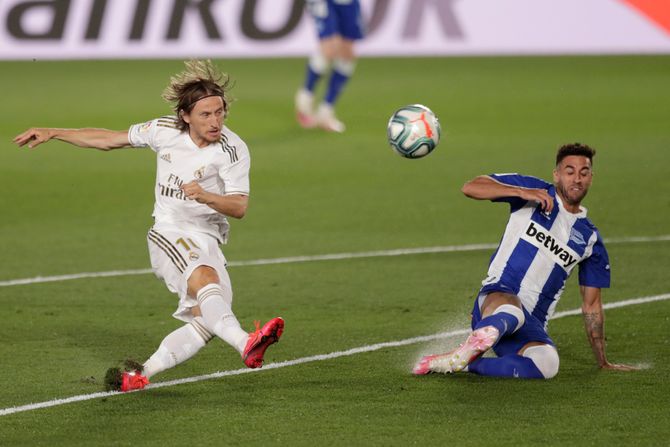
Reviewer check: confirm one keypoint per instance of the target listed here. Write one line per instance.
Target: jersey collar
(582, 210)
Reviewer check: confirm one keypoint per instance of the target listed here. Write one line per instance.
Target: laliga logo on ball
(413, 131)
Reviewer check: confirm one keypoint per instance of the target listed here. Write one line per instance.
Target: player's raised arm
(102, 139)
(484, 187)
(594, 323)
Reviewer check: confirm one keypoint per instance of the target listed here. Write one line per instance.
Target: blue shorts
(339, 17)
(532, 330)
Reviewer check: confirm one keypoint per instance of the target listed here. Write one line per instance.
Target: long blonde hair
(201, 79)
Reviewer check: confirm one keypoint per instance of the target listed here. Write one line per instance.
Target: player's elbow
(478, 188)
(104, 140)
(108, 145)
(469, 189)
(239, 212)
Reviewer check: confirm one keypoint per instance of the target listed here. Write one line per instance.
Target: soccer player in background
(202, 176)
(339, 25)
(547, 236)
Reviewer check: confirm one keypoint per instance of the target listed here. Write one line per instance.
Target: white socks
(179, 346)
(183, 343)
(344, 66)
(318, 63)
(218, 316)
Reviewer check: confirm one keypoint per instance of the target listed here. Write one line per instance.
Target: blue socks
(506, 318)
(508, 366)
(337, 81)
(311, 79)
(339, 76)
(316, 67)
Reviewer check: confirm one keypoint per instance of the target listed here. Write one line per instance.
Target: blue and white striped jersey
(538, 251)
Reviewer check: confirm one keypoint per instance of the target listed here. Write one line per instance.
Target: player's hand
(33, 137)
(194, 191)
(540, 196)
(618, 367)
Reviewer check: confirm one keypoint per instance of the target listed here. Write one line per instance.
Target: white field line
(314, 358)
(325, 257)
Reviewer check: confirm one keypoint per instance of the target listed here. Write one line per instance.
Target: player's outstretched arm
(594, 322)
(484, 187)
(102, 139)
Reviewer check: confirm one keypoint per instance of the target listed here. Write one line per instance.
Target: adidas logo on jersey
(548, 244)
(166, 157)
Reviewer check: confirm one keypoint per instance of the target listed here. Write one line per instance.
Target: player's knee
(545, 358)
(346, 50)
(201, 277)
(493, 300)
(329, 47)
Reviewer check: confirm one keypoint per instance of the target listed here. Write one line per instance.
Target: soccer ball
(413, 131)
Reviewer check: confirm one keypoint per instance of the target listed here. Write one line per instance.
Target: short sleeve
(143, 134)
(594, 271)
(523, 181)
(235, 175)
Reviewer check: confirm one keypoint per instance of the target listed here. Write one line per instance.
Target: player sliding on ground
(548, 234)
(202, 177)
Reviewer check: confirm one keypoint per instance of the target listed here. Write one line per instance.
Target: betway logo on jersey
(544, 240)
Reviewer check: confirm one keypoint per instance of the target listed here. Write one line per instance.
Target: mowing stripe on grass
(313, 358)
(326, 257)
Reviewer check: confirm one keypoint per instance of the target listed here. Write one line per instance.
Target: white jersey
(221, 168)
(538, 251)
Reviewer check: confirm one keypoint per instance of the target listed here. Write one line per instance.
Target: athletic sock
(316, 67)
(342, 71)
(219, 318)
(179, 346)
(506, 318)
(508, 366)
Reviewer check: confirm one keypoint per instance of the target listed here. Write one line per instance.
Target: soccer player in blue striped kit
(547, 235)
(339, 24)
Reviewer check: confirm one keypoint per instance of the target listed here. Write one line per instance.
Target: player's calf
(507, 318)
(537, 362)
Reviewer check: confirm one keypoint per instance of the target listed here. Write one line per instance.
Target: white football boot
(479, 341)
(304, 108)
(326, 120)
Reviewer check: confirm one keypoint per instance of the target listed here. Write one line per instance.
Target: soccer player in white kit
(547, 236)
(202, 176)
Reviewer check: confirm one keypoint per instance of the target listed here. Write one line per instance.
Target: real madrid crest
(200, 173)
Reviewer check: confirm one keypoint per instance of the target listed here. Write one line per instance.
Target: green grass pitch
(67, 210)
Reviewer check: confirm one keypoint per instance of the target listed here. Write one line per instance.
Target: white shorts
(176, 253)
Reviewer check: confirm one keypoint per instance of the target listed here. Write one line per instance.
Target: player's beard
(573, 198)
(211, 136)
